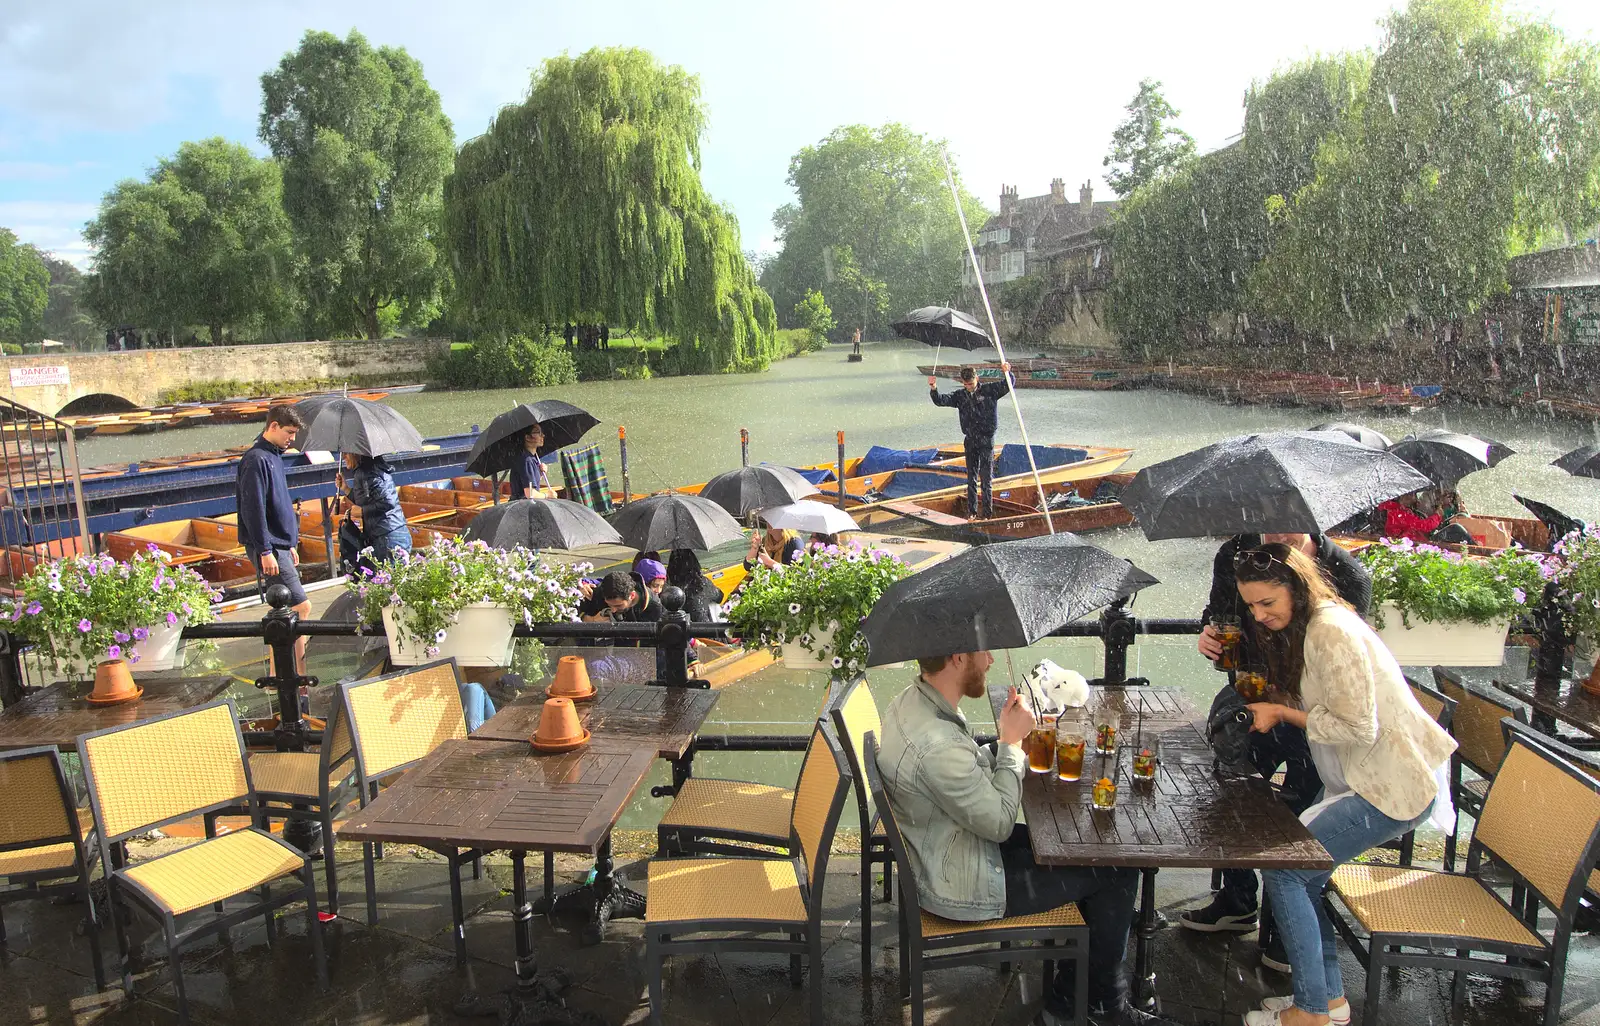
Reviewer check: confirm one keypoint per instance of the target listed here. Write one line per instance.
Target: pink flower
(85, 626)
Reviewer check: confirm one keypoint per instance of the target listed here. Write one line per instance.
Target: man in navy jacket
(976, 404)
(269, 528)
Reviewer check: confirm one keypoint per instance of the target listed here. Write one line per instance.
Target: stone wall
(140, 376)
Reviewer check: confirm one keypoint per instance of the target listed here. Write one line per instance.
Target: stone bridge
(48, 383)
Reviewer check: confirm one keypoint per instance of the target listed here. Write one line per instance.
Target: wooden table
(58, 714)
(1568, 704)
(646, 716)
(1157, 709)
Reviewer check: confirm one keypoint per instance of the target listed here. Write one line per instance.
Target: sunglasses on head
(1256, 559)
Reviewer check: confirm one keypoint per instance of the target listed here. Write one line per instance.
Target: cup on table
(1040, 745)
(1145, 761)
(1229, 635)
(1070, 744)
(1105, 794)
(1251, 683)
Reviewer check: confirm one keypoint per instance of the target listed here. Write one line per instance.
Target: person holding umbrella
(368, 482)
(528, 477)
(1384, 762)
(976, 405)
(776, 546)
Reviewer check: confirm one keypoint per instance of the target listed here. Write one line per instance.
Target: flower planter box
(1438, 643)
(481, 637)
(797, 658)
(161, 651)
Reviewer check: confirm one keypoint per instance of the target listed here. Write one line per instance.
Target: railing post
(278, 630)
(744, 447)
(841, 470)
(672, 643)
(1550, 660)
(11, 690)
(1117, 629)
(622, 441)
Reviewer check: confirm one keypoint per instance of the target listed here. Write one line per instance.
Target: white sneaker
(1336, 1016)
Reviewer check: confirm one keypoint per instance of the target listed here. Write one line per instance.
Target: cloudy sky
(92, 92)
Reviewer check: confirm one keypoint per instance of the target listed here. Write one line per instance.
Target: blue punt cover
(1014, 458)
(816, 477)
(880, 458)
(914, 482)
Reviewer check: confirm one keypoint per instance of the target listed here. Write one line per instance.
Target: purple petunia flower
(120, 637)
(85, 626)
(133, 655)
(140, 633)
(172, 619)
(114, 652)
(1519, 595)
(34, 608)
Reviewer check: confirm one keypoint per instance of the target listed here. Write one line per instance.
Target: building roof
(1569, 267)
(1051, 222)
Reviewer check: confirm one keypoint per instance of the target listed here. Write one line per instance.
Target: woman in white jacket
(1383, 760)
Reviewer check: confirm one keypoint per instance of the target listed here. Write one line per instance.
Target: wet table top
(1189, 816)
(1157, 708)
(658, 719)
(1568, 704)
(58, 714)
(503, 795)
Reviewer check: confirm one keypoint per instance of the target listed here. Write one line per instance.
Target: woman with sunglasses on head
(1233, 909)
(1382, 759)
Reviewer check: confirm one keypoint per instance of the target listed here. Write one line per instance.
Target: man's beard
(975, 683)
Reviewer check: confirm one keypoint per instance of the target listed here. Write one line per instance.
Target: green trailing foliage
(203, 240)
(1431, 584)
(513, 362)
(584, 203)
(813, 316)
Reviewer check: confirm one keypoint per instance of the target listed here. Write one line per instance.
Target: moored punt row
(232, 411)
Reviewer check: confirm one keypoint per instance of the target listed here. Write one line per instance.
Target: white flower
(794, 607)
(837, 662)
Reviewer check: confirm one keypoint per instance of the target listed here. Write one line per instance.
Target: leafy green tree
(66, 319)
(203, 241)
(365, 148)
(813, 315)
(584, 203)
(1475, 138)
(873, 227)
(1146, 145)
(24, 290)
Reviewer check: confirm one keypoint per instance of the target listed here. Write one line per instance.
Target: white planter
(1448, 644)
(162, 650)
(482, 637)
(797, 658)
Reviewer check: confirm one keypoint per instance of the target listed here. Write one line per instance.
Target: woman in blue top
(528, 476)
(368, 482)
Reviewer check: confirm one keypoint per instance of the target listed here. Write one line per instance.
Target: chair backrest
(1434, 702)
(1476, 722)
(398, 718)
(854, 714)
(36, 807)
(1542, 819)
(337, 744)
(818, 800)
(145, 774)
(909, 899)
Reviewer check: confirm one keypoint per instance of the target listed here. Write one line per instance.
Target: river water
(686, 429)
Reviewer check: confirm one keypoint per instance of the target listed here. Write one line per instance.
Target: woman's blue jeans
(1346, 828)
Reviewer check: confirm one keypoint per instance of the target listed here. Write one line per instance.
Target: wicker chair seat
(1479, 788)
(724, 890)
(38, 859)
(294, 773)
(938, 926)
(208, 872)
(733, 805)
(1393, 900)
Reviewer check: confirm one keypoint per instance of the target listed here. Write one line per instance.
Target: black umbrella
(1447, 456)
(750, 488)
(942, 326)
(1556, 522)
(1288, 482)
(1364, 435)
(541, 524)
(336, 423)
(1006, 595)
(500, 446)
(1584, 461)
(664, 522)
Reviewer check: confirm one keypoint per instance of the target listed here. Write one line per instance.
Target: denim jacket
(953, 801)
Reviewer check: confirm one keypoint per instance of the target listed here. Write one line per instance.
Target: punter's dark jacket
(977, 408)
(267, 520)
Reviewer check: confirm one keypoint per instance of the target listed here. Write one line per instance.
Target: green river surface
(686, 429)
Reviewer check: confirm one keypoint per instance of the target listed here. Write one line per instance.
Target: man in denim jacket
(956, 804)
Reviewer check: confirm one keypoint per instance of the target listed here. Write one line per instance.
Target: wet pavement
(401, 971)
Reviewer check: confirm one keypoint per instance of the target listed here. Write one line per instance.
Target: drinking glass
(1040, 746)
(1105, 794)
(1230, 634)
(1145, 761)
(1070, 743)
(1107, 717)
(1251, 683)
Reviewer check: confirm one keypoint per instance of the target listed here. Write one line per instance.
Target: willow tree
(584, 203)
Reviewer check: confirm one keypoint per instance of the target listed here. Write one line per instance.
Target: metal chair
(753, 898)
(394, 721)
(145, 775)
(43, 851)
(1444, 917)
(1587, 761)
(1061, 931)
(1443, 709)
(855, 715)
(1481, 745)
(308, 786)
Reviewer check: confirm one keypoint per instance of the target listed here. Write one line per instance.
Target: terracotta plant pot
(559, 725)
(1591, 683)
(113, 682)
(572, 679)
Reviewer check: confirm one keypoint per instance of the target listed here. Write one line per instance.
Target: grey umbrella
(541, 524)
(663, 522)
(1006, 595)
(500, 446)
(1584, 461)
(1290, 482)
(1448, 456)
(942, 326)
(1364, 435)
(751, 488)
(337, 423)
